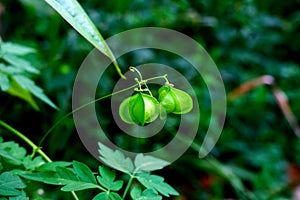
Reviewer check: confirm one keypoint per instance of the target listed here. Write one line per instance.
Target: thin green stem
(118, 70)
(148, 90)
(166, 79)
(30, 143)
(157, 77)
(102, 189)
(128, 186)
(74, 195)
(133, 69)
(25, 139)
(79, 108)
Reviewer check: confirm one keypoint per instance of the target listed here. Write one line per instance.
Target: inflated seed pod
(174, 100)
(140, 109)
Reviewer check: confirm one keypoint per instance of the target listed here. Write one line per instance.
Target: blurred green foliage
(246, 39)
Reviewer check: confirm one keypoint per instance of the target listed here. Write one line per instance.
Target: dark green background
(245, 38)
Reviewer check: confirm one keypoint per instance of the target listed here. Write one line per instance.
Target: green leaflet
(52, 166)
(148, 163)
(19, 91)
(74, 14)
(148, 194)
(84, 172)
(4, 82)
(10, 184)
(67, 173)
(19, 197)
(78, 178)
(32, 163)
(115, 159)
(23, 87)
(77, 186)
(156, 183)
(118, 161)
(16, 49)
(107, 179)
(20, 63)
(12, 152)
(63, 179)
(107, 196)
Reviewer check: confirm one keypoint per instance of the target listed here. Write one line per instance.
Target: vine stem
(30, 143)
(128, 186)
(79, 108)
(25, 139)
(91, 102)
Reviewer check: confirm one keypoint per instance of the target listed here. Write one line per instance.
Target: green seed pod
(174, 100)
(139, 108)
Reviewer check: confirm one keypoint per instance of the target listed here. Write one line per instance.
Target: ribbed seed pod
(174, 100)
(140, 109)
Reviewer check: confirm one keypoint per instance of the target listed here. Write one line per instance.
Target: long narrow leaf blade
(75, 15)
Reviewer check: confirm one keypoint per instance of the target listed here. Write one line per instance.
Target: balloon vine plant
(140, 108)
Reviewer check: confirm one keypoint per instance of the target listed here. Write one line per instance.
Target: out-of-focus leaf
(16, 49)
(28, 85)
(4, 82)
(20, 63)
(18, 91)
